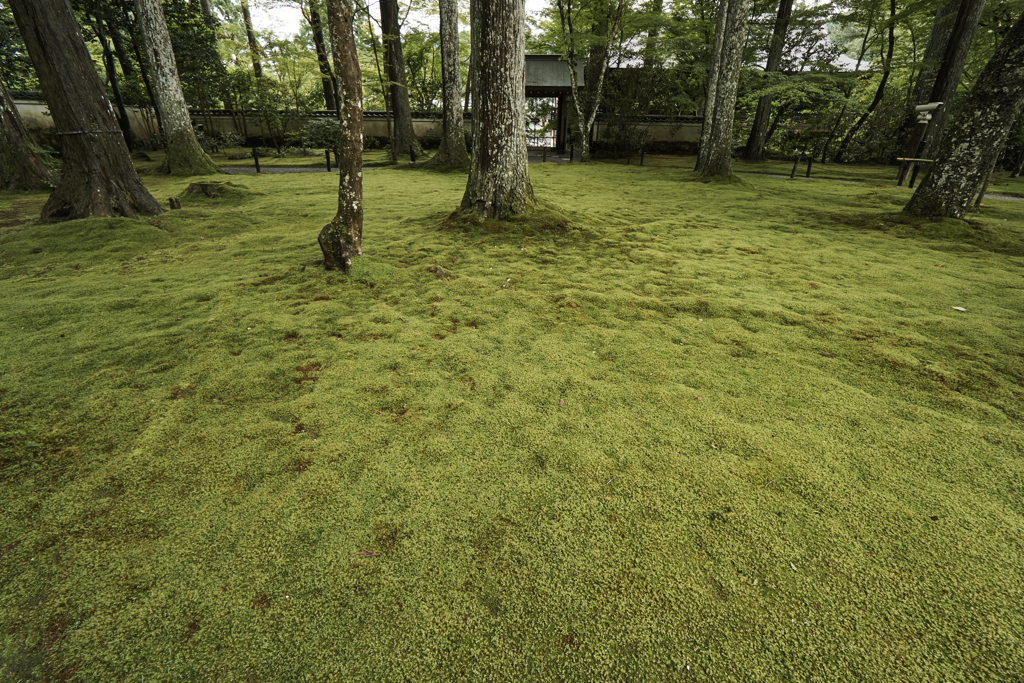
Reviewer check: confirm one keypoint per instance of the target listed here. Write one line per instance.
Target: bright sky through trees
(285, 20)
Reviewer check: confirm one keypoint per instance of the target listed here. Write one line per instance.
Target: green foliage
(609, 449)
(16, 69)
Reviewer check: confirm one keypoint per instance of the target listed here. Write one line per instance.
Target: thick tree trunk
(329, 82)
(342, 238)
(404, 137)
(880, 92)
(254, 47)
(978, 133)
(759, 130)
(21, 166)
(453, 143)
(185, 157)
(98, 178)
(715, 156)
(499, 178)
(947, 80)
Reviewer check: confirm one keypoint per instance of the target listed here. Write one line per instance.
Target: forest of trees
(836, 80)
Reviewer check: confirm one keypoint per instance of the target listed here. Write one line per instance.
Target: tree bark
(978, 134)
(98, 178)
(185, 157)
(254, 47)
(22, 167)
(453, 151)
(404, 136)
(327, 76)
(880, 92)
(342, 238)
(499, 178)
(715, 155)
(947, 80)
(759, 130)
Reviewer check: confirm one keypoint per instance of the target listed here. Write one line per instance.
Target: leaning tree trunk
(715, 155)
(394, 62)
(98, 178)
(185, 157)
(952, 68)
(759, 130)
(327, 77)
(342, 238)
(499, 178)
(21, 166)
(879, 92)
(453, 143)
(978, 133)
(250, 37)
(123, 120)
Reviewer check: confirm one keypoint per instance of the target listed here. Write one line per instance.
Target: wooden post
(327, 153)
(256, 158)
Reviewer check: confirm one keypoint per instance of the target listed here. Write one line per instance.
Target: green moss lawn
(663, 430)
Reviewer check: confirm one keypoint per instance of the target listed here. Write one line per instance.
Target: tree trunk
(453, 143)
(715, 156)
(759, 130)
(404, 136)
(254, 48)
(880, 92)
(499, 178)
(329, 82)
(605, 28)
(978, 134)
(21, 166)
(945, 17)
(651, 61)
(98, 178)
(952, 68)
(342, 238)
(123, 121)
(185, 157)
(133, 30)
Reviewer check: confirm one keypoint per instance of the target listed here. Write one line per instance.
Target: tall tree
(22, 166)
(250, 37)
(327, 76)
(499, 177)
(714, 158)
(185, 156)
(606, 18)
(453, 142)
(404, 136)
(879, 92)
(123, 119)
(978, 133)
(342, 238)
(98, 178)
(758, 138)
(947, 78)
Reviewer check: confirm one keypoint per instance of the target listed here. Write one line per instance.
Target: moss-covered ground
(662, 430)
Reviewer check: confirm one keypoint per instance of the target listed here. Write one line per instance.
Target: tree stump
(174, 203)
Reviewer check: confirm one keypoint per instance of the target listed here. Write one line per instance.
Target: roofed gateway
(547, 76)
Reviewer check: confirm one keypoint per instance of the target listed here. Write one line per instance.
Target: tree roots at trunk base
(338, 252)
